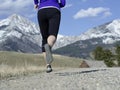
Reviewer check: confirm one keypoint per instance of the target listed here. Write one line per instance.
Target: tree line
(106, 55)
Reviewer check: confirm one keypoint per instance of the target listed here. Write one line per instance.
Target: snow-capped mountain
(19, 34)
(106, 35)
(110, 32)
(18, 26)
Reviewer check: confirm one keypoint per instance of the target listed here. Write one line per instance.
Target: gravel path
(67, 79)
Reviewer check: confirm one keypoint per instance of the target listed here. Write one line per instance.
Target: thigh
(54, 23)
(43, 24)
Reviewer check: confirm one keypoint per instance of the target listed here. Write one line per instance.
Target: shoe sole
(49, 71)
(49, 57)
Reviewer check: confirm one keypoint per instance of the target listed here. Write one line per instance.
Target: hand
(36, 6)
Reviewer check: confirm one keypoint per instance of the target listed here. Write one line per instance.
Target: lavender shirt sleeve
(35, 1)
(62, 3)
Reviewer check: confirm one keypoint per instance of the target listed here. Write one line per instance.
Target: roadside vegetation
(110, 59)
(14, 64)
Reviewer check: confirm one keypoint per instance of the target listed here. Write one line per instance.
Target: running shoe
(49, 69)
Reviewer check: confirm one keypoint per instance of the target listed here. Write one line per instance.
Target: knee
(51, 40)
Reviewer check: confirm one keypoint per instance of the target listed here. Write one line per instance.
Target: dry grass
(16, 64)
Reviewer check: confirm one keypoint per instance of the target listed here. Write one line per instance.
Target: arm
(36, 2)
(62, 3)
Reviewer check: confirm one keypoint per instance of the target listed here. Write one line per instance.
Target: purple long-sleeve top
(50, 3)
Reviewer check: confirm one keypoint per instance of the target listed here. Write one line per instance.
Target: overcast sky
(77, 17)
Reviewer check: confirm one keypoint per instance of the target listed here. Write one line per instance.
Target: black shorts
(49, 21)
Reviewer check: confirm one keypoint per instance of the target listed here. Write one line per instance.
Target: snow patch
(108, 41)
(114, 26)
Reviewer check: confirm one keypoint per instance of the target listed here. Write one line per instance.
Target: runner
(49, 16)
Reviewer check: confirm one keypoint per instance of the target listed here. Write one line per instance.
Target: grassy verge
(16, 64)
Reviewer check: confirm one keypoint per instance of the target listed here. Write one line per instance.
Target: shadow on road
(81, 72)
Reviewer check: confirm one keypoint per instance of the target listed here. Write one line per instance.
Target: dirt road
(67, 79)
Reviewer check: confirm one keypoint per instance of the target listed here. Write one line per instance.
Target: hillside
(16, 64)
(20, 71)
(84, 48)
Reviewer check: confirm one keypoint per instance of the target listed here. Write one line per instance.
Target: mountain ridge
(19, 30)
(16, 27)
(106, 35)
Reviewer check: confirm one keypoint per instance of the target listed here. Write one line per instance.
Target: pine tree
(118, 54)
(98, 53)
(105, 55)
(108, 58)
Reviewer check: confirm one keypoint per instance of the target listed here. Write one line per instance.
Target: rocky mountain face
(19, 34)
(106, 35)
(109, 32)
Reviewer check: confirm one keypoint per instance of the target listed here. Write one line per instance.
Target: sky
(77, 16)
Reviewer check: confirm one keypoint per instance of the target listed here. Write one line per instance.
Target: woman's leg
(44, 27)
(49, 27)
(53, 16)
(51, 40)
(54, 23)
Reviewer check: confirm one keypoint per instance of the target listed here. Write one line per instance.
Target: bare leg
(51, 40)
(48, 55)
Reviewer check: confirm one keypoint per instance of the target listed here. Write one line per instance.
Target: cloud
(92, 12)
(23, 7)
(106, 14)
